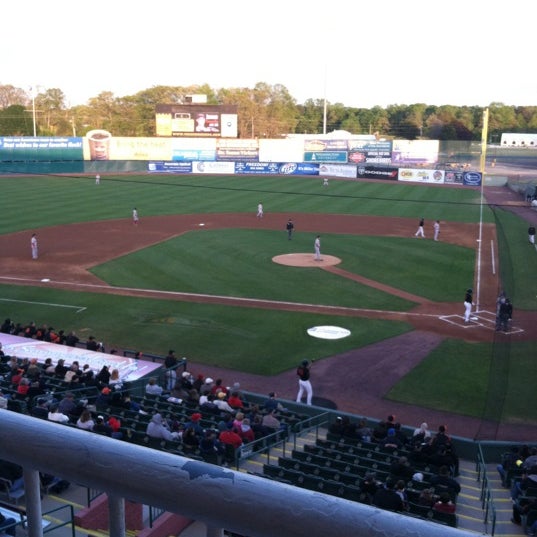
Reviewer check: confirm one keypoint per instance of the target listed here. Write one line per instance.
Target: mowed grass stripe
(62, 200)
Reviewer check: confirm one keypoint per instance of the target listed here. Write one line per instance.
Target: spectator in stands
(7, 326)
(520, 486)
(208, 405)
(364, 431)
(443, 482)
(73, 374)
(170, 363)
(421, 433)
(530, 462)
(427, 497)
(229, 437)
(257, 426)
(33, 372)
(152, 388)
(336, 427)
(218, 387)
(170, 360)
(157, 428)
(369, 486)
(237, 422)
(220, 402)
(55, 415)
(401, 469)
(210, 445)
(115, 381)
(198, 383)
(60, 369)
(101, 427)
(85, 421)
(246, 432)
(444, 504)
(92, 344)
(234, 401)
(103, 376)
(194, 423)
(86, 375)
(206, 387)
(48, 367)
(400, 490)
(271, 422)
(390, 441)
(104, 398)
(387, 498)
(23, 387)
(190, 440)
(442, 458)
(400, 434)
(273, 404)
(72, 339)
(522, 508)
(379, 432)
(67, 405)
(442, 440)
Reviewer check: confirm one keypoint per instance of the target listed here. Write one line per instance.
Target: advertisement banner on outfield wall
(169, 167)
(44, 148)
(257, 168)
(370, 151)
(213, 167)
(415, 152)
(191, 149)
(338, 170)
(275, 168)
(421, 175)
(472, 178)
(237, 150)
(381, 172)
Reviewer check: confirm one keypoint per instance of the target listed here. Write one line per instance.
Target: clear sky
(356, 52)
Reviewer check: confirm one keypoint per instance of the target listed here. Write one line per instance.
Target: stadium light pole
(324, 107)
(32, 89)
(484, 134)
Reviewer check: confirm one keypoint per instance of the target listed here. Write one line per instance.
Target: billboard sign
(196, 120)
(45, 148)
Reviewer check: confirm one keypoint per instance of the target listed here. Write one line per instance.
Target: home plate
(202, 224)
(474, 318)
(328, 332)
(45, 280)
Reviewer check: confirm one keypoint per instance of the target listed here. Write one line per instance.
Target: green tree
(15, 121)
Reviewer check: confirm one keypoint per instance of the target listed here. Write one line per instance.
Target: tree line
(265, 111)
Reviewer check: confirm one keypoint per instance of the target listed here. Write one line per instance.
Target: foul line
(234, 301)
(77, 308)
(492, 256)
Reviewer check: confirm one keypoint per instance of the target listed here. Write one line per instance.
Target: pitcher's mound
(306, 260)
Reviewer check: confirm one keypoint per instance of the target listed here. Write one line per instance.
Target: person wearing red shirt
(229, 437)
(234, 401)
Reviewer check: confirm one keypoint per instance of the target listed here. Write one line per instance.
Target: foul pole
(484, 134)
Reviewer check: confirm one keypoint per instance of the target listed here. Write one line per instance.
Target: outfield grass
(63, 200)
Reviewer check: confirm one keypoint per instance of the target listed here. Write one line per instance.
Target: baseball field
(197, 274)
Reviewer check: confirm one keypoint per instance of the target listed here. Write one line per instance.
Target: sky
(355, 52)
